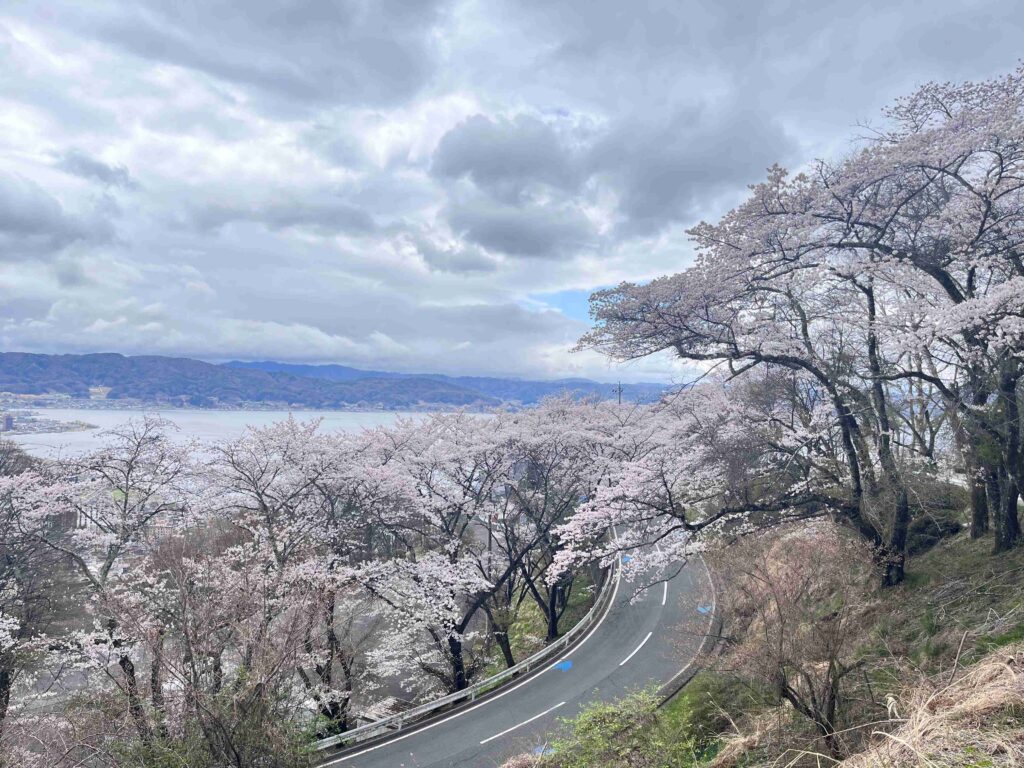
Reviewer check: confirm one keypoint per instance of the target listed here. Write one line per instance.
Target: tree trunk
(501, 638)
(458, 663)
(552, 613)
(1007, 522)
(1007, 519)
(979, 507)
(896, 545)
(156, 685)
(135, 707)
(821, 719)
(895, 564)
(5, 695)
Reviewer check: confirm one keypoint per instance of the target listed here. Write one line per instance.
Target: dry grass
(737, 746)
(522, 761)
(947, 652)
(976, 720)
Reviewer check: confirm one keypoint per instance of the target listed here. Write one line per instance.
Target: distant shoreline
(204, 425)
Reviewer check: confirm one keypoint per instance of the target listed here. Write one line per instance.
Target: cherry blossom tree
(892, 279)
(110, 499)
(28, 578)
(313, 506)
(555, 462)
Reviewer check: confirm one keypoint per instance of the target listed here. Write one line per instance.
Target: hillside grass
(528, 631)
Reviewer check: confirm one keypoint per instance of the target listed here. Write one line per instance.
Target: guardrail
(470, 694)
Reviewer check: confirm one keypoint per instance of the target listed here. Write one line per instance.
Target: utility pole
(618, 390)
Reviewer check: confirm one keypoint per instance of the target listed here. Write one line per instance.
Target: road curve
(636, 644)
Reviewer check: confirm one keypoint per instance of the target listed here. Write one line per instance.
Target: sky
(414, 185)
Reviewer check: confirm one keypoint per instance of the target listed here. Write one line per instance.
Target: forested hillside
(182, 381)
(506, 390)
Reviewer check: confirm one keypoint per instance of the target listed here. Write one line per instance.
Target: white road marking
(615, 592)
(525, 722)
(642, 644)
(664, 595)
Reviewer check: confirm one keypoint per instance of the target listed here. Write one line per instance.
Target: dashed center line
(642, 644)
(664, 595)
(525, 722)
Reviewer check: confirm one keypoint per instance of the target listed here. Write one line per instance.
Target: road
(638, 643)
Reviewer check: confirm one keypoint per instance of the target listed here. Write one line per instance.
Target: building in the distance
(7, 425)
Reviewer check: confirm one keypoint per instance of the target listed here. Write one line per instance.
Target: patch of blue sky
(574, 303)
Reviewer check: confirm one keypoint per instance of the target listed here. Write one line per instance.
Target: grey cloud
(70, 273)
(669, 169)
(323, 214)
(531, 231)
(663, 168)
(466, 337)
(504, 156)
(300, 52)
(33, 223)
(456, 259)
(828, 57)
(483, 323)
(78, 163)
(335, 145)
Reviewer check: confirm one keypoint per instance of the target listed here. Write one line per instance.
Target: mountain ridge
(186, 382)
(506, 389)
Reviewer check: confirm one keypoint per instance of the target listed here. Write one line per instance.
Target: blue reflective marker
(564, 665)
(703, 609)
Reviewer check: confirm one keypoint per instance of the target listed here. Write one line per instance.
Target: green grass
(529, 629)
(991, 642)
(528, 632)
(955, 588)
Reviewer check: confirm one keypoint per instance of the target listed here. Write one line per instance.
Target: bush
(630, 732)
(929, 529)
(707, 708)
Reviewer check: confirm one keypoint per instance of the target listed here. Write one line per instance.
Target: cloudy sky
(413, 184)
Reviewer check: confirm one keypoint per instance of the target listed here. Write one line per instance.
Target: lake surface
(202, 425)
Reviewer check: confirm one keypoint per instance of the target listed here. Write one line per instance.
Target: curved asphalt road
(636, 644)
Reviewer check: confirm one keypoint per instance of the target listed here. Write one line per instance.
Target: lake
(202, 425)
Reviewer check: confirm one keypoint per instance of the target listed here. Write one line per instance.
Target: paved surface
(638, 643)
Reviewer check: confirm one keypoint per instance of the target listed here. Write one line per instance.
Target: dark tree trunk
(156, 684)
(501, 638)
(460, 680)
(824, 720)
(896, 556)
(135, 707)
(553, 613)
(1007, 519)
(979, 507)
(896, 545)
(6, 681)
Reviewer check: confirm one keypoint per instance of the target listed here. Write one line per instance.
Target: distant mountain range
(185, 382)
